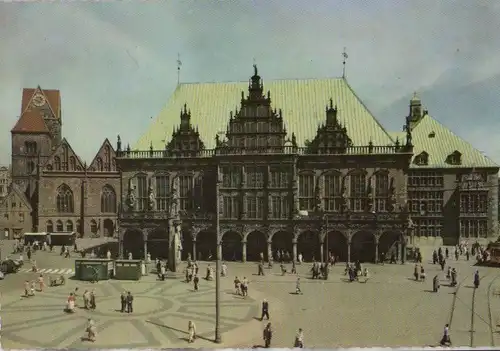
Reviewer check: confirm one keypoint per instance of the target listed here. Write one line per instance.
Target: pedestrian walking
(297, 287)
(446, 340)
(191, 331)
(299, 339)
(265, 310)
(196, 281)
(267, 335)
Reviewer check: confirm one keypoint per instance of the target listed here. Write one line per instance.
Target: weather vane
(344, 55)
(179, 64)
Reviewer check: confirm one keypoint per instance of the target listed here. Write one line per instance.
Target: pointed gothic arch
(64, 199)
(108, 199)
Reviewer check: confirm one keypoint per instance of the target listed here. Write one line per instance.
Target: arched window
(72, 163)
(65, 203)
(108, 200)
(65, 158)
(59, 226)
(57, 163)
(107, 158)
(93, 226)
(50, 226)
(69, 226)
(31, 147)
(99, 165)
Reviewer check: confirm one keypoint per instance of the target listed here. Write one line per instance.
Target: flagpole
(344, 55)
(179, 64)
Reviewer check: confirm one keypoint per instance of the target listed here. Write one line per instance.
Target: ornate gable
(256, 126)
(331, 138)
(104, 160)
(17, 196)
(186, 140)
(64, 159)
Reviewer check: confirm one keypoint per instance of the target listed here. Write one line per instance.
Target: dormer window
(455, 158)
(432, 134)
(422, 159)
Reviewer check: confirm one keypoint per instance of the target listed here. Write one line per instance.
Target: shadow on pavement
(178, 330)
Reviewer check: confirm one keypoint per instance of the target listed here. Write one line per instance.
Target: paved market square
(390, 309)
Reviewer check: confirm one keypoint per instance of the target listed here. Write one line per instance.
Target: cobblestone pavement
(390, 309)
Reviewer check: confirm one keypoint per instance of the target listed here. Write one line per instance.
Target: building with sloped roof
(288, 175)
(53, 190)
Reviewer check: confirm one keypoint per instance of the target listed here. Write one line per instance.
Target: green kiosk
(129, 269)
(93, 269)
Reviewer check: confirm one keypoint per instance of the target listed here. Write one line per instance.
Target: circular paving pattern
(161, 314)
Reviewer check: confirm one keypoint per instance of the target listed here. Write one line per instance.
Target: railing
(235, 151)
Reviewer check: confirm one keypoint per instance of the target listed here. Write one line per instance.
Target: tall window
(57, 163)
(107, 158)
(186, 192)
(78, 228)
(254, 177)
(358, 192)
(280, 207)
(64, 198)
(162, 192)
(72, 163)
(108, 200)
(142, 192)
(231, 177)
(69, 226)
(473, 228)
(59, 226)
(279, 178)
(31, 167)
(231, 207)
(99, 164)
(255, 207)
(474, 202)
(31, 147)
(49, 226)
(333, 192)
(381, 191)
(306, 192)
(65, 158)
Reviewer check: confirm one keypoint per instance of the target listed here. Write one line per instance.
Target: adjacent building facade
(4, 181)
(62, 192)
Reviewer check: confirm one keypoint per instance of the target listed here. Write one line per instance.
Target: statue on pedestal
(130, 200)
(152, 199)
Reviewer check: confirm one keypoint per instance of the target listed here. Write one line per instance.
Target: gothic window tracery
(381, 191)
(64, 199)
(333, 192)
(358, 191)
(108, 200)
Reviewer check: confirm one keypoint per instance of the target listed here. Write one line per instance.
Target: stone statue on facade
(130, 200)
(151, 198)
(369, 196)
(319, 203)
(174, 206)
(344, 200)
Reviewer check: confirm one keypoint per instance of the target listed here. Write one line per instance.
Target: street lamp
(218, 339)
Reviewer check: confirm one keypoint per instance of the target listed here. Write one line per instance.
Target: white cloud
(115, 62)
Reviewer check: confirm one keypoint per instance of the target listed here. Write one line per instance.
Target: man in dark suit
(265, 310)
(130, 300)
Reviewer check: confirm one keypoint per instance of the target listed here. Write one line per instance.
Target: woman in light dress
(191, 331)
(70, 305)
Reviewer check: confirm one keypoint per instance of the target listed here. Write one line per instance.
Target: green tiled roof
(302, 101)
(439, 147)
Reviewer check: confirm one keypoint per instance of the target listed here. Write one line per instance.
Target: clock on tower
(38, 100)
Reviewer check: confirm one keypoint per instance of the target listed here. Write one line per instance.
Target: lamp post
(218, 339)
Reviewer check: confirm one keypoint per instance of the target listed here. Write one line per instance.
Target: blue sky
(115, 63)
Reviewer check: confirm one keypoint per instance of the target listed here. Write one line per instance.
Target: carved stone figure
(345, 196)
(152, 199)
(174, 208)
(369, 196)
(130, 200)
(319, 203)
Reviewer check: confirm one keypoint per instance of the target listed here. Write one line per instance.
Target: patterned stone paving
(161, 312)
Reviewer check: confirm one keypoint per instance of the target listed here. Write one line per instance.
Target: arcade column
(244, 251)
(294, 250)
(269, 251)
(376, 248)
(194, 249)
(321, 252)
(121, 232)
(349, 250)
(145, 241)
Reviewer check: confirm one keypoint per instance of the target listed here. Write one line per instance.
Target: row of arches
(363, 245)
(68, 225)
(65, 201)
